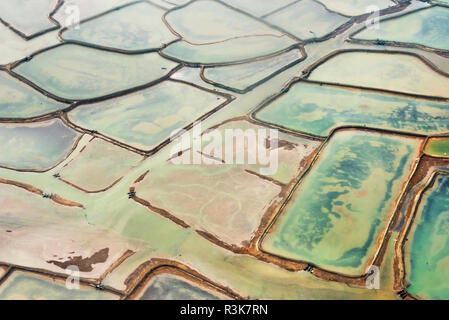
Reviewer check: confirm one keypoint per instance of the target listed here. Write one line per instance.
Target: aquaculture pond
(35, 146)
(307, 19)
(146, 118)
(261, 8)
(171, 287)
(132, 28)
(77, 73)
(437, 147)
(319, 109)
(217, 199)
(356, 7)
(87, 9)
(92, 91)
(28, 286)
(213, 33)
(339, 212)
(397, 72)
(424, 27)
(51, 233)
(99, 165)
(427, 257)
(214, 194)
(33, 17)
(242, 77)
(230, 51)
(20, 101)
(14, 48)
(205, 21)
(293, 153)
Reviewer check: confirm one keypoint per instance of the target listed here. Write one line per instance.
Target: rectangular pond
(335, 216)
(427, 254)
(319, 109)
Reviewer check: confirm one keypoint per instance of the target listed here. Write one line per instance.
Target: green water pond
(135, 27)
(336, 214)
(169, 287)
(315, 109)
(230, 51)
(145, 118)
(437, 147)
(76, 73)
(25, 286)
(307, 19)
(36, 146)
(258, 8)
(428, 253)
(424, 27)
(18, 100)
(245, 76)
(29, 17)
(207, 21)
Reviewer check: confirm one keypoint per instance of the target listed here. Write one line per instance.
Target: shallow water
(86, 8)
(14, 48)
(307, 19)
(259, 8)
(76, 73)
(315, 109)
(35, 146)
(29, 17)
(146, 118)
(293, 153)
(169, 287)
(243, 273)
(257, 279)
(424, 27)
(136, 27)
(445, 2)
(17, 100)
(397, 72)
(437, 147)
(218, 199)
(99, 165)
(26, 286)
(230, 51)
(356, 7)
(243, 76)
(340, 207)
(207, 21)
(40, 233)
(428, 252)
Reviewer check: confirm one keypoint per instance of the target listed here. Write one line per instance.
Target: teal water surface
(317, 110)
(167, 287)
(338, 210)
(425, 27)
(35, 146)
(429, 249)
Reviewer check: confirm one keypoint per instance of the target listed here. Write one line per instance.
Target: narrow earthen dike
(32, 189)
